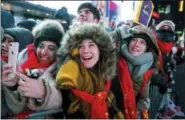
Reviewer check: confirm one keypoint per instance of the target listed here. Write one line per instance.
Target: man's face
(86, 16)
(5, 45)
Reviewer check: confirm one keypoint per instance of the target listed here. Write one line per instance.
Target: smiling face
(5, 45)
(137, 46)
(89, 53)
(86, 16)
(46, 51)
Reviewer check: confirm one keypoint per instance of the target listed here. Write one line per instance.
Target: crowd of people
(86, 69)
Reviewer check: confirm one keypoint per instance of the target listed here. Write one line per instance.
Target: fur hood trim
(74, 37)
(46, 24)
(50, 30)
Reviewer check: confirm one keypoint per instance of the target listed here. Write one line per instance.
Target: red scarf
(32, 61)
(4, 58)
(99, 108)
(22, 115)
(126, 82)
(165, 47)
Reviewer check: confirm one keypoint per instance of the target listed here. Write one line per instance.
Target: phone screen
(13, 54)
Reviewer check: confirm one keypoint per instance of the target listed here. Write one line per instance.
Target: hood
(74, 37)
(166, 23)
(152, 40)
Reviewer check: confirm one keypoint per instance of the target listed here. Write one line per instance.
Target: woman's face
(137, 46)
(46, 51)
(89, 53)
(5, 45)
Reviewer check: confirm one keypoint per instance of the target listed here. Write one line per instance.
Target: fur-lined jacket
(53, 99)
(80, 84)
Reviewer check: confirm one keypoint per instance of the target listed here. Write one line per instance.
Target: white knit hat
(167, 23)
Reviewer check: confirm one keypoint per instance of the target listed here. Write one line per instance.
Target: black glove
(180, 52)
(163, 89)
(180, 56)
(159, 81)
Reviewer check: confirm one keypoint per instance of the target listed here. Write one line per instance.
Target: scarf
(129, 100)
(165, 35)
(140, 66)
(4, 58)
(165, 47)
(32, 61)
(99, 108)
(74, 75)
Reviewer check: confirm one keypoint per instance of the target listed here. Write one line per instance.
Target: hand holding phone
(13, 54)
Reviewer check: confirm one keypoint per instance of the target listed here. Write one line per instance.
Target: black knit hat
(28, 24)
(11, 32)
(91, 7)
(63, 14)
(21, 35)
(49, 34)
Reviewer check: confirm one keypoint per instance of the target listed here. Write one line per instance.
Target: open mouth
(87, 58)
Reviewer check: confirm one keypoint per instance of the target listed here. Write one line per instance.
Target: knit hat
(74, 37)
(10, 32)
(166, 23)
(28, 24)
(62, 14)
(7, 19)
(48, 30)
(92, 8)
(21, 35)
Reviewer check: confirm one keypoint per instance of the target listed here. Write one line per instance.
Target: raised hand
(125, 31)
(29, 87)
(8, 77)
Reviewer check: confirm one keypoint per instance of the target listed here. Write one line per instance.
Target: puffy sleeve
(53, 98)
(68, 74)
(14, 100)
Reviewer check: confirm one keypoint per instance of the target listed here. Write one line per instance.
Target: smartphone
(13, 54)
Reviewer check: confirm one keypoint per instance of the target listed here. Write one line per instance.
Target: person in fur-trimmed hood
(36, 82)
(85, 76)
(138, 54)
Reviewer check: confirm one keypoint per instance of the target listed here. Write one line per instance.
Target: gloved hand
(163, 89)
(125, 31)
(180, 56)
(180, 52)
(159, 81)
(143, 104)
